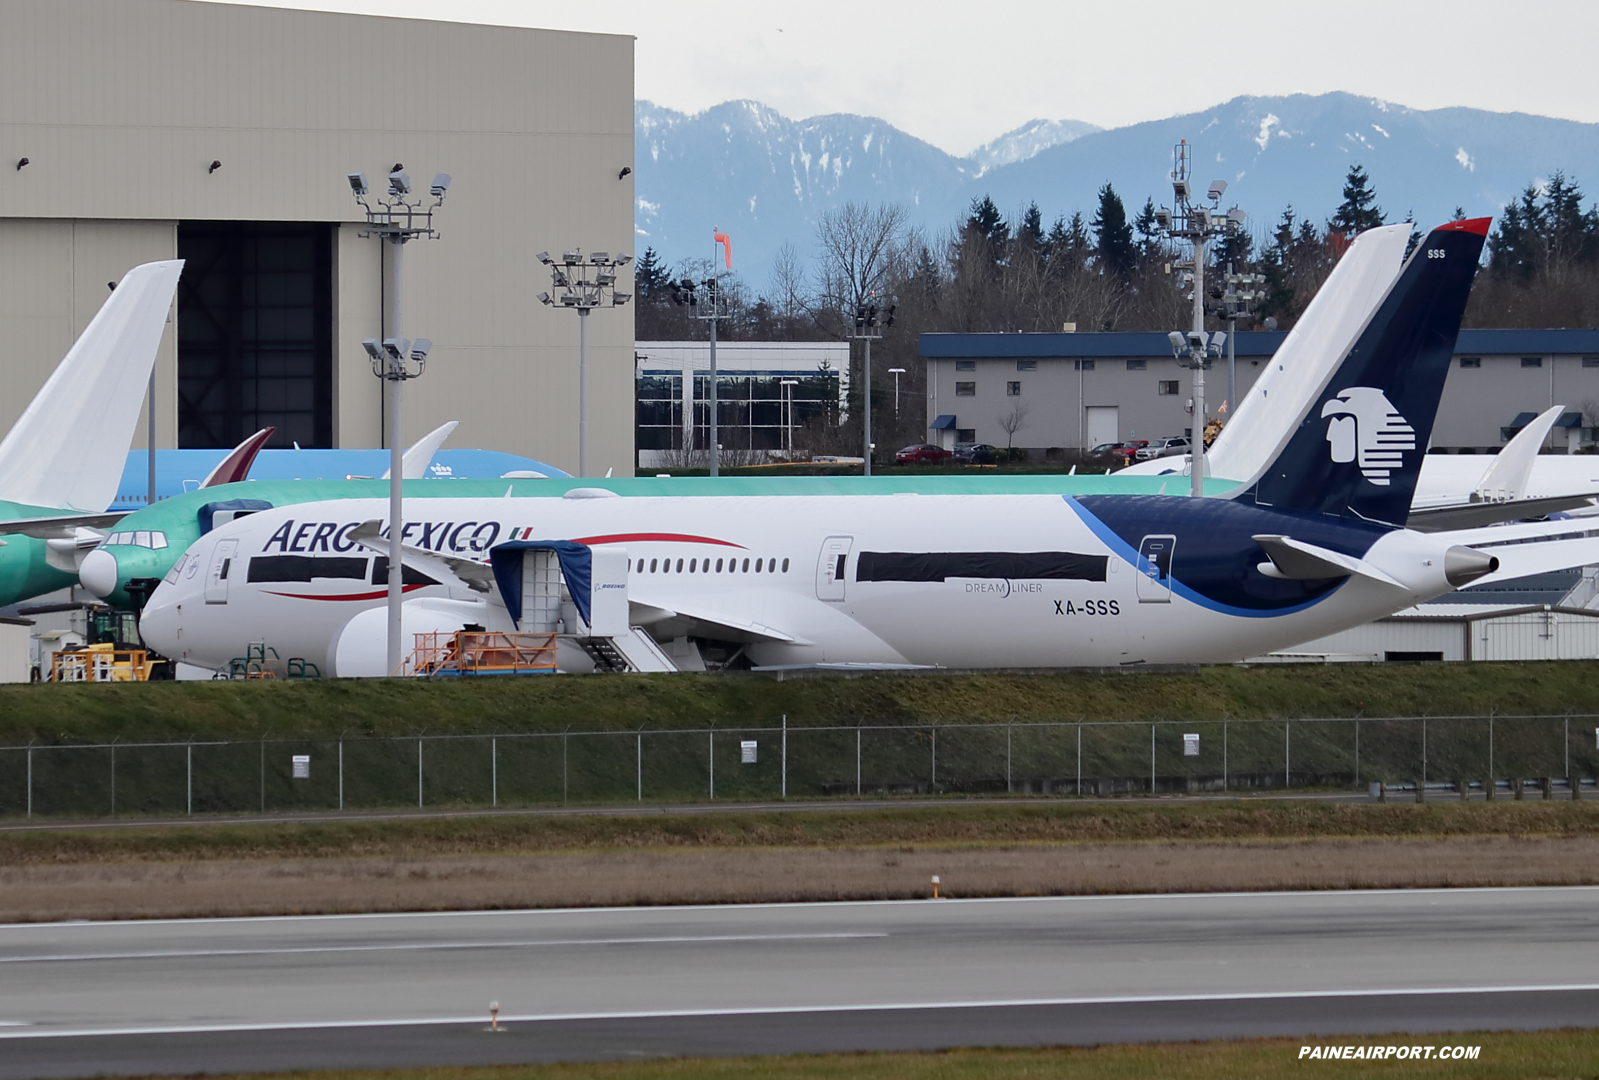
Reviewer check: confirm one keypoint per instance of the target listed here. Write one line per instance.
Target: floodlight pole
(396, 218)
(865, 330)
(583, 283)
(1190, 220)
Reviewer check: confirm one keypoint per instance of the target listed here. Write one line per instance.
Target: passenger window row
(703, 566)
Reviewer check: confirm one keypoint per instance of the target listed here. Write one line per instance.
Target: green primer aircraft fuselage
(24, 569)
(176, 521)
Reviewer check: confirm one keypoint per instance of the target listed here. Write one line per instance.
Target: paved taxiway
(185, 996)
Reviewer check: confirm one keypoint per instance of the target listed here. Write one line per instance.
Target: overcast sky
(958, 74)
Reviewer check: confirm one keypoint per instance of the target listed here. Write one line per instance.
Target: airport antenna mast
(1192, 221)
(583, 283)
(397, 218)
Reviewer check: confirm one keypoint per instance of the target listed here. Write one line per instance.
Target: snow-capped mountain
(766, 179)
(1029, 140)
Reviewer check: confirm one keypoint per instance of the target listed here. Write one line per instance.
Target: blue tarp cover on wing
(577, 567)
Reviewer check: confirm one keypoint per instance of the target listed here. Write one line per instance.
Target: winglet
(67, 450)
(414, 464)
(236, 466)
(1506, 478)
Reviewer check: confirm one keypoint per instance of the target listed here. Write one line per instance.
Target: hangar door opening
(255, 332)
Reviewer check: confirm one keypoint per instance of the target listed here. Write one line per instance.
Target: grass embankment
(362, 736)
(155, 711)
(890, 854)
(1504, 1056)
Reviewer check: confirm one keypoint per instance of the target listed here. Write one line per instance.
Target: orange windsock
(727, 246)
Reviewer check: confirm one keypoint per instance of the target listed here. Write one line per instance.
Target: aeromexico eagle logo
(1368, 430)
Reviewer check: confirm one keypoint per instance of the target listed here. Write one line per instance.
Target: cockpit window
(140, 538)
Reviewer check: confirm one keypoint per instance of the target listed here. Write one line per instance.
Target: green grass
(373, 727)
(53, 714)
(902, 826)
(1505, 1056)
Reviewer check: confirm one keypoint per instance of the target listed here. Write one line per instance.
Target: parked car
(1168, 447)
(1120, 453)
(977, 453)
(921, 454)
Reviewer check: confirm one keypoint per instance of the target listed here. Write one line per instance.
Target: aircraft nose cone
(158, 623)
(98, 573)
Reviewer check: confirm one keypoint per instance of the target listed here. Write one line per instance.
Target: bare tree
(861, 251)
(1012, 422)
(788, 294)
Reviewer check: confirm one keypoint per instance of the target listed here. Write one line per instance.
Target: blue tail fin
(1357, 451)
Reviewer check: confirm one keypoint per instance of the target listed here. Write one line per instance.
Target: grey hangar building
(1075, 391)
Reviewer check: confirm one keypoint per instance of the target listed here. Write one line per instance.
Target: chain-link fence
(779, 760)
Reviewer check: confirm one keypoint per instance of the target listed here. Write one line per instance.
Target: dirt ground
(216, 887)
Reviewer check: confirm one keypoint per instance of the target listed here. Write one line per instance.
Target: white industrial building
(138, 130)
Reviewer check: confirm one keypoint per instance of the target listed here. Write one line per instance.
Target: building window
(966, 365)
(1027, 365)
(1083, 365)
(966, 434)
(1013, 389)
(1532, 361)
(1137, 365)
(965, 389)
(1590, 361)
(1471, 361)
(1167, 386)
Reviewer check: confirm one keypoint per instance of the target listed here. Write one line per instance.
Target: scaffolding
(483, 652)
(101, 663)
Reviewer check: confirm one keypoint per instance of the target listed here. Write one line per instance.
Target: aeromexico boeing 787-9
(1314, 543)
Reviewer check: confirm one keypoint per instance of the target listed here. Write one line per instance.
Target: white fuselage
(768, 565)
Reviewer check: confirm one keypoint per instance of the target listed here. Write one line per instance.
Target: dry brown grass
(231, 886)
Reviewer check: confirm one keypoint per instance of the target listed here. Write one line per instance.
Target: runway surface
(78, 999)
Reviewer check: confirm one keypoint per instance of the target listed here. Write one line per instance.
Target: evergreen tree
(652, 281)
(1359, 211)
(1113, 236)
(1030, 236)
(1144, 225)
(986, 221)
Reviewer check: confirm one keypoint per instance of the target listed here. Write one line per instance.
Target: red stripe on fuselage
(670, 538)
(346, 596)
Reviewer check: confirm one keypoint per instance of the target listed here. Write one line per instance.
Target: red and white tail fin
(66, 451)
(236, 466)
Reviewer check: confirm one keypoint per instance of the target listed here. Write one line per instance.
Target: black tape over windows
(1011, 565)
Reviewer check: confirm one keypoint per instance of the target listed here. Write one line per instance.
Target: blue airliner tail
(1357, 451)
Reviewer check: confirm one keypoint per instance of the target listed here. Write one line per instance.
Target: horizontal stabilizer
(68, 447)
(1295, 560)
(1476, 514)
(479, 577)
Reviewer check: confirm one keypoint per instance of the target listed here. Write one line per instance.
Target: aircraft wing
(1468, 515)
(704, 621)
(62, 527)
(479, 577)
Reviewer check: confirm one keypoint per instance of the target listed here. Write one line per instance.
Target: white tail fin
(66, 451)
(415, 461)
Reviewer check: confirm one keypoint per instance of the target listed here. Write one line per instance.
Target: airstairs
(579, 594)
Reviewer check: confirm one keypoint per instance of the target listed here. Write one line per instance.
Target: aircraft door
(1154, 569)
(832, 567)
(223, 556)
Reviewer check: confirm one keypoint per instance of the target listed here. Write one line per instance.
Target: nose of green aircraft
(98, 572)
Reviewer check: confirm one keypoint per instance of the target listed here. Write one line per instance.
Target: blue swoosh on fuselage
(1215, 556)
